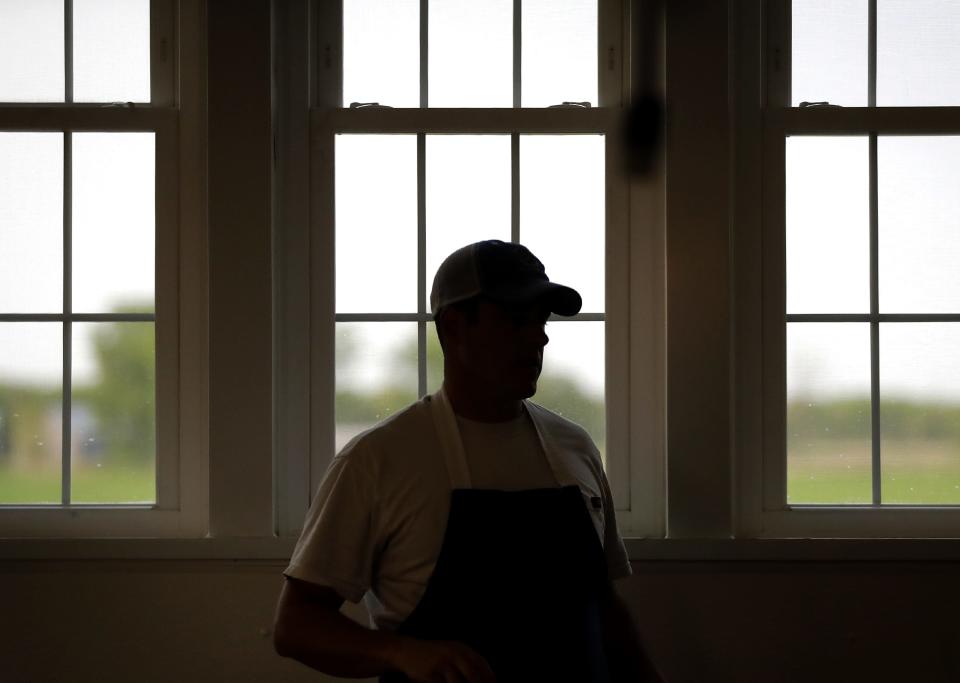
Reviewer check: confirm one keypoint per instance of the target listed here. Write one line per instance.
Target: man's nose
(534, 337)
(541, 337)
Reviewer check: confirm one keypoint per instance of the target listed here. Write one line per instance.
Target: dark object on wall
(643, 123)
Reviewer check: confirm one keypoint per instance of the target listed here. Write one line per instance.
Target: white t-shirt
(505, 455)
(376, 525)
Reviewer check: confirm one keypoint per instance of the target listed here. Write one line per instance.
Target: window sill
(793, 550)
(266, 549)
(278, 550)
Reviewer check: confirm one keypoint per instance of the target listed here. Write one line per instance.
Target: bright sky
(468, 187)
(918, 64)
(113, 180)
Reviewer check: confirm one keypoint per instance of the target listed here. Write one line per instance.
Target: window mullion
(517, 55)
(68, 51)
(421, 263)
(424, 51)
(874, 322)
(515, 137)
(67, 383)
(515, 187)
(872, 53)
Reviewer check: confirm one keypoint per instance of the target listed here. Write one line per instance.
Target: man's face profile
(499, 349)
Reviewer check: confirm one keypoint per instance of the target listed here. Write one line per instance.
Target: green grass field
(838, 471)
(826, 471)
(90, 485)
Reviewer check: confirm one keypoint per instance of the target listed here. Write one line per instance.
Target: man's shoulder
(570, 441)
(408, 429)
(558, 424)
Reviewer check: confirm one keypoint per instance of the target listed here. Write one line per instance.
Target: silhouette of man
(478, 526)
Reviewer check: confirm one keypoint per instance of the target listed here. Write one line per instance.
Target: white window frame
(304, 235)
(764, 117)
(174, 116)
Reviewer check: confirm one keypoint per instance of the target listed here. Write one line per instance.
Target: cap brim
(560, 299)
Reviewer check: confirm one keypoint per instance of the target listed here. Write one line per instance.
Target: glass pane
(920, 413)
(919, 224)
(381, 52)
(376, 223)
(572, 380)
(376, 374)
(562, 219)
(471, 53)
(828, 413)
(918, 53)
(31, 51)
(829, 47)
(828, 225)
(113, 222)
(111, 50)
(558, 52)
(31, 392)
(468, 194)
(31, 222)
(113, 413)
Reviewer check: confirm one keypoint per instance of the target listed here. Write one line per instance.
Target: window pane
(829, 47)
(113, 222)
(919, 224)
(111, 50)
(31, 222)
(920, 413)
(31, 51)
(113, 413)
(471, 53)
(918, 53)
(828, 413)
(376, 374)
(828, 225)
(468, 194)
(381, 52)
(562, 218)
(376, 223)
(572, 380)
(31, 391)
(559, 52)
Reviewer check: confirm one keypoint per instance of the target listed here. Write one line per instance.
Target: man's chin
(529, 391)
(519, 387)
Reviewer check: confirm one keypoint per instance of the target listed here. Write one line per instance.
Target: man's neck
(474, 405)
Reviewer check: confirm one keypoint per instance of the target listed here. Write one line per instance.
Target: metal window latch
(570, 105)
(825, 105)
(369, 105)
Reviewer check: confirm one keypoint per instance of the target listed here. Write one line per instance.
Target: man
(478, 526)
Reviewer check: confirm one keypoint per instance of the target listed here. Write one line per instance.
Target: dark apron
(518, 579)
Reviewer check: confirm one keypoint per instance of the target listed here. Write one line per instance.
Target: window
(861, 300)
(90, 323)
(492, 120)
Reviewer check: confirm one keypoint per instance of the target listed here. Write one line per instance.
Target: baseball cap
(504, 272)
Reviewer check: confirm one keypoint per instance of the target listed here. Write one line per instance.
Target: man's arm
(626, 655)
(310, 628)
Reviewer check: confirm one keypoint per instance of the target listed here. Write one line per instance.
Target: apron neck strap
(451, 445)
(455, 457)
